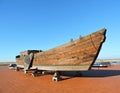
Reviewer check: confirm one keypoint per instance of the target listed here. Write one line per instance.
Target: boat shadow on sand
(90, 74)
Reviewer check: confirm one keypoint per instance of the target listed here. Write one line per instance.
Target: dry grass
(6, 63)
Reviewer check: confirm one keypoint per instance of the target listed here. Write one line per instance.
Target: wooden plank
(62, 68)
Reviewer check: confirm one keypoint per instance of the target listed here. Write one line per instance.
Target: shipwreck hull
(74, 56)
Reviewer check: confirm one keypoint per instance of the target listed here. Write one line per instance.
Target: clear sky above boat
(45, 24)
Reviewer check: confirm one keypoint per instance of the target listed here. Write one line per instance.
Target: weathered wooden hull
(74, 56)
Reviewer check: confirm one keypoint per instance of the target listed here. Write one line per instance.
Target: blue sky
(45, 24)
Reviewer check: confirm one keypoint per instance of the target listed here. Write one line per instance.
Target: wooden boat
(76, 55)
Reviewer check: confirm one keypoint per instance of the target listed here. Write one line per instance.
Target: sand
(103, 80)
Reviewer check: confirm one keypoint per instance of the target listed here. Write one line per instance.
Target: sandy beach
(102, 80)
